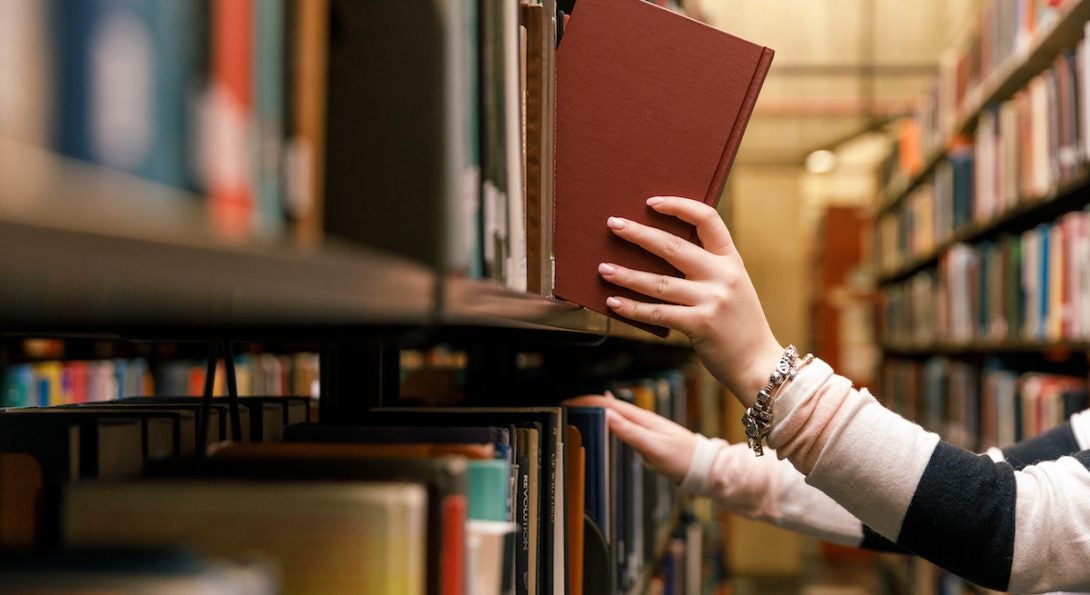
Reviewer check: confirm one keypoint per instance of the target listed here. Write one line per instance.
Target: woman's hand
(715, 305)
(666, 446)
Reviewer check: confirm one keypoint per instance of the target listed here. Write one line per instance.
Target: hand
(715, 305)
(666, 446)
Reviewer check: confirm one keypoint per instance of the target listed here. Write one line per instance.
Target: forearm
(983, 520)
(772, 490)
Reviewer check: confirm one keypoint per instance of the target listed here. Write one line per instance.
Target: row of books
(681, 569)
(53, 382)
(1024, 149)
(218, 97)
(978, 407)
(421, 500)
(433, 130)
(1005, 31)
(232, 99)
(1032, 286)
(46, 448)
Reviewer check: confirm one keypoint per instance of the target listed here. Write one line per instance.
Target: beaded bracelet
(757, 419)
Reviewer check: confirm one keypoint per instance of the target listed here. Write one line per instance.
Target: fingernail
(606, 269)
(654, 200)
(613, 302)
(615, 223)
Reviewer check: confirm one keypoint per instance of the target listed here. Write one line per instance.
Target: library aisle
(296, 295)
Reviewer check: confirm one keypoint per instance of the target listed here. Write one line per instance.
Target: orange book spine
(231, 187)
(453, 563)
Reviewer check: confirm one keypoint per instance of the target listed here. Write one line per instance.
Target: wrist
(759, 416)
(762, 364)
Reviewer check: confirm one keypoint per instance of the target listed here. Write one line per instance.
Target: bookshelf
(1068, 196)
(95, 219)
(1012, 74)
(90, 248)
(981, 342)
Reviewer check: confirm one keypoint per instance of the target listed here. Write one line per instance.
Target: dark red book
(649, 103)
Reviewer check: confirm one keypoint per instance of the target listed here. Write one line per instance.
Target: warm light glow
(821, 161)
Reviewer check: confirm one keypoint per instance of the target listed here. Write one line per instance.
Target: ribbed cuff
(696, 480)
(809, 380)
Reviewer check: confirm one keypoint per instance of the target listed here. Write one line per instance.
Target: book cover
(591, 422)
(326, 536)
(551, 507)
(444, 477)
(649, 103)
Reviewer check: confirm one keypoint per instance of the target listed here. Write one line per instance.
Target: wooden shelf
(986, 347)
(1026, 214)
(88, 250)
(1013, 74)
(486, 303)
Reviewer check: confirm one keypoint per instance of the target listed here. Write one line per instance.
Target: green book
(489, 488)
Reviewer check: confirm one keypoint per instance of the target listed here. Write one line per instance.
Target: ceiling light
(821, 161)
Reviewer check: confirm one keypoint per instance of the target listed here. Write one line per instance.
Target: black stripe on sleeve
(962, 516)
(874, 541)
(1048, 446)
(1084, 458)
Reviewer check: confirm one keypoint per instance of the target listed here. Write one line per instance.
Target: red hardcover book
(649, 102)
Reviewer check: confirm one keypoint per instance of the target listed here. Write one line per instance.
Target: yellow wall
(765, 215)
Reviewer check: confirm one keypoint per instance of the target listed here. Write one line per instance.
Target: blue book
(125, 73)
(591, 423)
(962, 164)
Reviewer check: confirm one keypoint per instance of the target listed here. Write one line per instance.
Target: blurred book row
(56, 382)
(421, 500)
(1002, 37)
(981, 406)
(1033, 286)
(1024, 150)
(237, 100)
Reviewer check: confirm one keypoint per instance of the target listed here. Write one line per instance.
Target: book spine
(730, 149)
(522, 517)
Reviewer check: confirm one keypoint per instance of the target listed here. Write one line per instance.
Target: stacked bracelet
(758, 417)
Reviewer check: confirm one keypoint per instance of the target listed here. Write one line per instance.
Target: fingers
(670, 455)
(633, 434)
(675, 317)
(683, 254)
(648, 419)
(664, 287)
(711, 230)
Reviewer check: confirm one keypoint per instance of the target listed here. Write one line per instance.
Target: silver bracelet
(757, 419)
